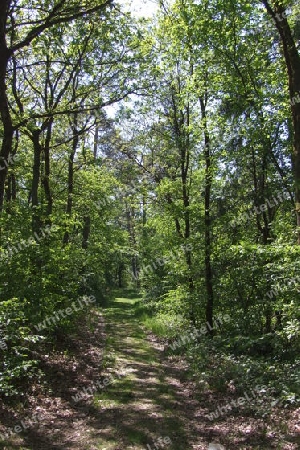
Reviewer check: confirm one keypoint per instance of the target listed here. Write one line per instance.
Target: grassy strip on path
(138, 409)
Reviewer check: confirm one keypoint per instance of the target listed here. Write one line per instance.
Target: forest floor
(116, 389)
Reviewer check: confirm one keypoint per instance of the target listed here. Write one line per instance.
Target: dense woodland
(155, 154)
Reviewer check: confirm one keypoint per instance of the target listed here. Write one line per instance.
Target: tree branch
(54, 18)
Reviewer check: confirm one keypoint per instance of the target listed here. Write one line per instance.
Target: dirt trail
(151, 399)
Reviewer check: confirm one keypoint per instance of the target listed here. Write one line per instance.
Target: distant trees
(216, 142)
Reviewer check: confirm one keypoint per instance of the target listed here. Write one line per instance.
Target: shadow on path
(148, 401)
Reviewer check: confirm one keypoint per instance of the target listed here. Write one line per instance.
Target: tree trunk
(120, 274)
(75, 141)
(7, 140)
(46, 177)
(263, 220)
(292, 60)
(181, 119)
(207, 224)
(11, 191)
(86, 231)
(96, 139)
(37, 148)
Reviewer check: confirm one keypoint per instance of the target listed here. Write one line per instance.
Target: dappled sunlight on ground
(149, 396)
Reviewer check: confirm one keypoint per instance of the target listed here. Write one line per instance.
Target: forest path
(150, 399)
(114, 388)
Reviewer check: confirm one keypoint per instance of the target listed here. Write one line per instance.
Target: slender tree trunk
(11, 191)
(7, 140)
(96, 139)
(207, 224)
(46, 177)
(130, 213)
(144, 214)
(75, 141)
(37, 148)
(187, 224)
(120, 274)
(86, 231)
(264, 219)
(180, 119)
(292, 60)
